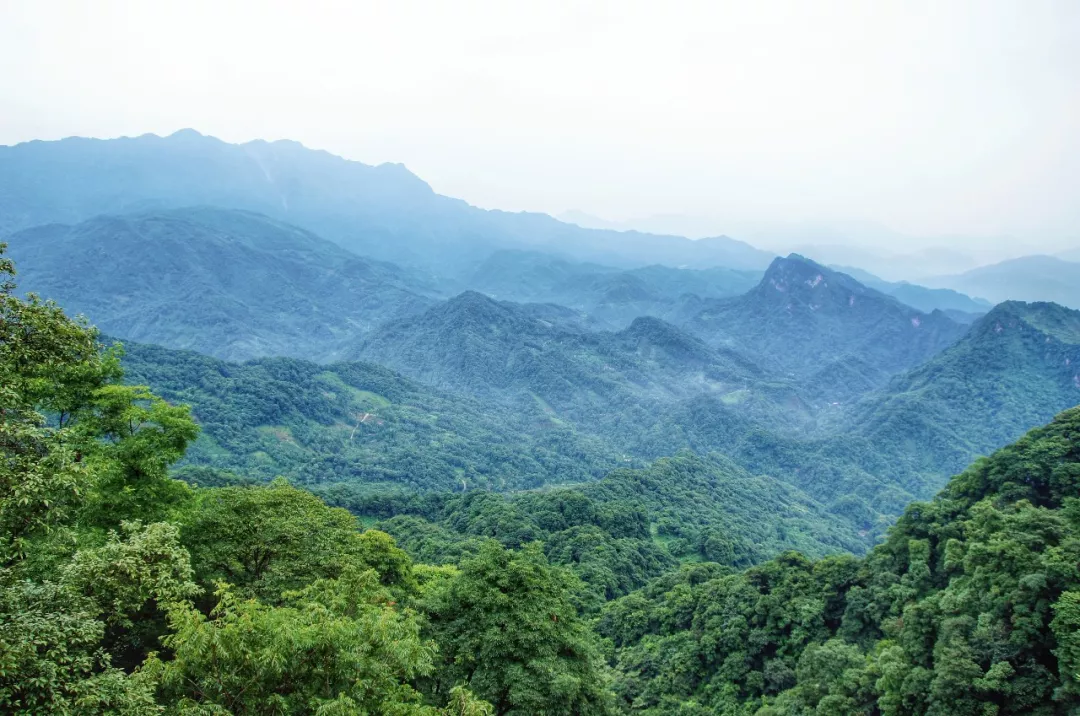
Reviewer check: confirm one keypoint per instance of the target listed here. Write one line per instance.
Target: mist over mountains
(383, 212)
(638, 416)
(642, 342)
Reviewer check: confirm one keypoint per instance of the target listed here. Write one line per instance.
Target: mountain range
(955, 304)
(1018, 366)
(614, 297)
(582, 471)
(228, 283)
(540, 336)
(384, 212)
(1029, 278)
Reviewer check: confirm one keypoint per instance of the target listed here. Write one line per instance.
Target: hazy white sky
(933, 118)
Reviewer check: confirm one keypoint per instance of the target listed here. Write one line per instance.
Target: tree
(338, 646)
(266, 540)
(56, 602)
(507, 628)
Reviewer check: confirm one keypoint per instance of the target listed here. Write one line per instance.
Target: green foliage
(62, 596)
(83, 606)
(968, 607)
(507, 629)
(51, 364)
(137, 436)
(359, 423)
(50, 656)
(621, 531)
(335, 647)
(265, 541)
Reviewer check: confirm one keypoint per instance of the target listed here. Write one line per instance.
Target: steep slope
(1029, 278)
(359, 424)
(227, 283)
(385, 212)
(1016, 368)
(803, 318)
(971, 606)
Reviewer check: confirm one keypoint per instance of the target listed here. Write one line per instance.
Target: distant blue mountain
(610, 296)
(806, 320)
(1028, 278)
(227, 283)
(384, 211)
(925, 299)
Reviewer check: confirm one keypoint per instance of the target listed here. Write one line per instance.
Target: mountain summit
(805, 319)
(797, 284)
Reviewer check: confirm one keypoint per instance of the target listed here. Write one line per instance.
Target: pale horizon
(951, 124)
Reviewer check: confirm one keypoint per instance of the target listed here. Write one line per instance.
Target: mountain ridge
(384, 212)
(1019, 365)
(803, 317)
(1028, 278)
(229, 283)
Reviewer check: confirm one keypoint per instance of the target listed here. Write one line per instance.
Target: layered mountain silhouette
(231, 284)
(808, 321)
(612, 296)
(1029, 278)
(1016, 368)
(384, 211)
(490, 348)
(955, 304)
(613, 347)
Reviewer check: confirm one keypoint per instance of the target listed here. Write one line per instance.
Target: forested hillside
(228, 283)
(528, 396)
(481, 346)
(1018, 366)
(622, 530)
(361, 423)
(125, 591)
(371, 437)
(970, 606)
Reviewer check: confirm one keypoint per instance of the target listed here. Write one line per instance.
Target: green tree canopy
(507, 628)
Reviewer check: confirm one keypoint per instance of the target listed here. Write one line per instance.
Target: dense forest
(531, 468)
(524, 401)
(125, 590)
